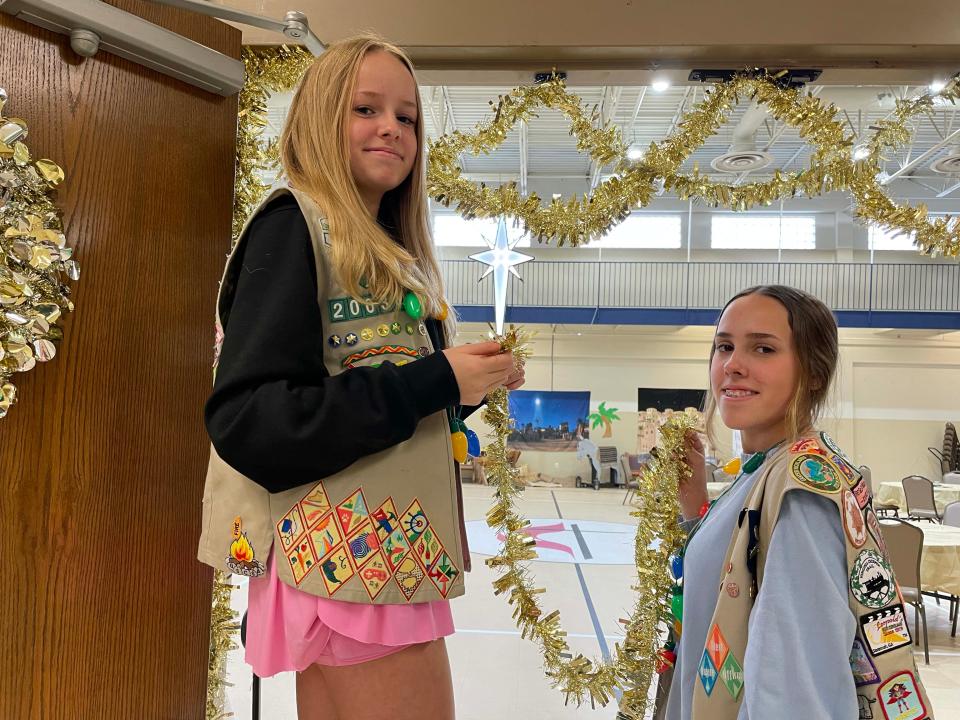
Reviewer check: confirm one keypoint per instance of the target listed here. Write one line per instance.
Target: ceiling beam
(608, 108)
(523, 157)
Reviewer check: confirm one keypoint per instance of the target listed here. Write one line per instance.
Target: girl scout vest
(886, 678)
(385, 530)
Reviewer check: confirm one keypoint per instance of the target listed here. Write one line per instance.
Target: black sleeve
(275, 414)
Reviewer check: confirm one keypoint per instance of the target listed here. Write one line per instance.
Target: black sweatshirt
(275, 414)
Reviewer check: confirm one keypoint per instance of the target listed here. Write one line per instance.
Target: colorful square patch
(864, 671)
(325, 536)
(413, 522)
(314, 505)
(290, 528)
(409, 576)
(336, 569)
(427, 547)
(885, 630)
(363, 544)
(900, 699)
(395, 549)
(731, 674)
(374, 575)
(443, 573)
(352, 512)
(302, 560)
(385, 519)
(707, 672)
(717, 646)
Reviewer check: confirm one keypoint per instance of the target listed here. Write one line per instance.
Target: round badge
(396, 328)
(383, 330)
(366, 334)
(334, 340)
(410, 329)
(733, 590)
(423, 352)
(352, 339)
(871, 580)
(816, 473)
(422, 328)
(853, 523)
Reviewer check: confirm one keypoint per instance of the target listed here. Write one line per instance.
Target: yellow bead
(444, 310)
(732, 467)
(459, 442)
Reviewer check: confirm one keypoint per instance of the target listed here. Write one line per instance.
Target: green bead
(755, 461)
(676, 606)
(412, 306)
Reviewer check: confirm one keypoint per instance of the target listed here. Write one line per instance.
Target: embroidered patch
(873, 527)
(351, 360)
(385, 519)
(707, 672)
(849, 472)
(302, 559)
(325, 536)
(409, 576)
(871, 580)
(853, 523)
(427, 547)
(291, 527)
(395, 548)
(336, 569)
(864, 706)
(862, 493)
(807, 445)
(731, 674)
(816, 473)
(832, 446)
(343, 309)
(374, 575)
(900, 698)
(413, 522)
(315, 505)
(242, 558)
(885, 630)
(443, 573)
(352, 512)
(864, 671)
(717, 646)
(363, 544)
(733, 590)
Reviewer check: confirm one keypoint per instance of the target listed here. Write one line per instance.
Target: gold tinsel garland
(223, 629)
(35, 261)
(632, 666)
(576, 221)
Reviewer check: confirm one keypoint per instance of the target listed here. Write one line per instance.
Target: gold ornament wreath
(658, 537)
(35, 261)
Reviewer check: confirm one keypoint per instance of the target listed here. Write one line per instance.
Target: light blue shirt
(800, 630)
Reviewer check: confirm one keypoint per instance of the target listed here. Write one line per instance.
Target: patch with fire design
(242, 558)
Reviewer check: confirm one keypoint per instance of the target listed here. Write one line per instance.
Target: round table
(940, 564)
(891, 493)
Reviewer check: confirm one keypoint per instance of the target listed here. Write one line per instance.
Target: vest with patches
(385, 530)
(882, 662)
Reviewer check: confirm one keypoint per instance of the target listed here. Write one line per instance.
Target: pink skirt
(288, 629)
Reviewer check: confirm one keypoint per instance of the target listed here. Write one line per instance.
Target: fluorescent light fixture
(660, 85)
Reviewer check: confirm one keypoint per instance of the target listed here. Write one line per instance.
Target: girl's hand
(693, 490)
(515, 379)
(480, 368)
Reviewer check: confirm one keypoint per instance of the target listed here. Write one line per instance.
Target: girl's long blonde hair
(394, 252)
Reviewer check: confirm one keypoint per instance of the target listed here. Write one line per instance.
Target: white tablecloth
(891, 493)
(940, 565)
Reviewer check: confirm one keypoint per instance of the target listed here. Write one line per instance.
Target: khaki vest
(887, 682)
(386, 529)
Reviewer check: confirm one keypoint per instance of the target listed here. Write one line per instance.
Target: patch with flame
(242, 558)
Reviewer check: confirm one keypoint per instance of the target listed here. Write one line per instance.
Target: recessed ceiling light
(635, 152)
(660, 85)
(937, 85)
